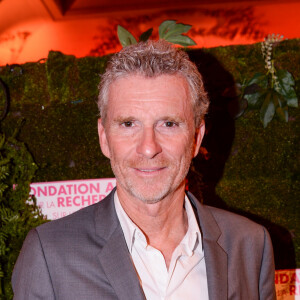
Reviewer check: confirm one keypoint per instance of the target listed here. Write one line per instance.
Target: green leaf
(125, 37)
(276, 99)
(164, 27)
(292, 102)
(267, 110)
(282, 113)
(177, 29)
(286, 89)
(145, 35)
(255, 99)
(172, 32)
(181, 40)
(280, 99)
(259, 79)
(285, 77)
(243, 104)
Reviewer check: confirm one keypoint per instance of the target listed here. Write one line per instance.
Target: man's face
(149, 135)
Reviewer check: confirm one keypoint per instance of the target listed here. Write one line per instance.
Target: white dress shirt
(186, 277)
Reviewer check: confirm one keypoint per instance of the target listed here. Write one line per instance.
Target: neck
(164, 223)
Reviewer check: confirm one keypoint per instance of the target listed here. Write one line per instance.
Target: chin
(151, 196)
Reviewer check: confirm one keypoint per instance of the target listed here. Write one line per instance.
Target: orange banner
(287, 284)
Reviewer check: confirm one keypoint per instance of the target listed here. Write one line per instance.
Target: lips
(150, 170)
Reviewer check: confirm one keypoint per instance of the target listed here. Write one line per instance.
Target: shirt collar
(128, 227)
(190, 242)
(192, 238)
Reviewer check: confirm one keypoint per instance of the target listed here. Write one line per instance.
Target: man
(148, 239)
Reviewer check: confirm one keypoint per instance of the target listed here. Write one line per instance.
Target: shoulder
(83, 222)
(238, 233)
(227, 226)
(235, 222)
(82, 217)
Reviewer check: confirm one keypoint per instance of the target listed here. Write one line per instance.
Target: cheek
(180, 148)
(121, 148)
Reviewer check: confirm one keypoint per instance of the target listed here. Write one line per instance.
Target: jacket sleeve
(31, 278)
(267, 271)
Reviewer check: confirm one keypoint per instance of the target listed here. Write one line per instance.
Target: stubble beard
(150, 190)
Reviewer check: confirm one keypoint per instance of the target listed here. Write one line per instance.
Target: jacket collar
(114, 256)
(215, 256)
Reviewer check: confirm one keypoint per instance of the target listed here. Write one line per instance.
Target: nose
(148, 145)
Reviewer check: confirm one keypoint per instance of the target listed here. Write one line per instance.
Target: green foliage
(272, 91)
(125, 37)
(18, 211)
(62, 69)
(168, 30)
(145, 35)
(172, 32)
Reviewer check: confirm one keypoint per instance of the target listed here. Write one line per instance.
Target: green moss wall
(250, 170)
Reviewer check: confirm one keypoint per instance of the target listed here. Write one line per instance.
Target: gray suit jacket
(85, 256)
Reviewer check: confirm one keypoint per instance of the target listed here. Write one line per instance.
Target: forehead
(168, 89)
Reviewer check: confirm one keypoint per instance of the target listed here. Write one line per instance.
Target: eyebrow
(174, 118)
(123, 119)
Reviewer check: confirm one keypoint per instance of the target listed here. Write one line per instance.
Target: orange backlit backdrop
(29, 29)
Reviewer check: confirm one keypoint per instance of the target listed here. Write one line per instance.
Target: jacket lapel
(215, 256)
(114, 256)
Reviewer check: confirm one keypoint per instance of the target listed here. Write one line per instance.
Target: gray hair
(152, 59)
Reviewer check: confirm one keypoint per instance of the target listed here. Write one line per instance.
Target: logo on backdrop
(61, 198)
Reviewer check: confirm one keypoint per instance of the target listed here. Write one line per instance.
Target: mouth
(149, 171)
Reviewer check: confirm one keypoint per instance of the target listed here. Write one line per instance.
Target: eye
(127, 124)
(170, 124)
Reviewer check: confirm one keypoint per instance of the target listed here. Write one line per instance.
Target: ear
(199, 134)
(103, 139)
